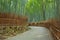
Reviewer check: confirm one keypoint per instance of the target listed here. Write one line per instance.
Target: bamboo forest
(29, 19)
(36, 10)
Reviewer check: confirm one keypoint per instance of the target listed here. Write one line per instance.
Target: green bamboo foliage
(36, 10)
(39, 10)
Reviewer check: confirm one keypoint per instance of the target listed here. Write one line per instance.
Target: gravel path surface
(36, 33)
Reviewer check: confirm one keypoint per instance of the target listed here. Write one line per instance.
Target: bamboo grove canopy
(36, 10)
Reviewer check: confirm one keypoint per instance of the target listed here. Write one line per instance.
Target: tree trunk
(57, 9)
(43, 10)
